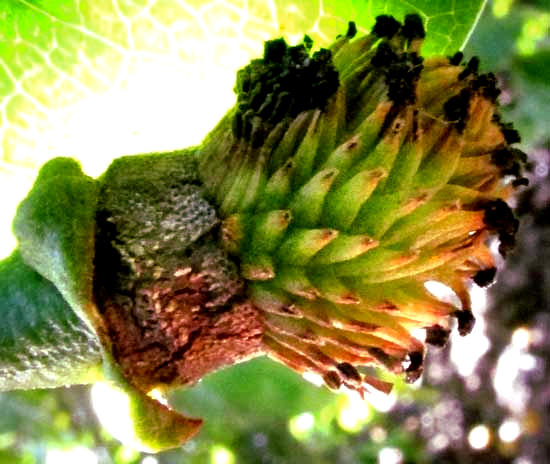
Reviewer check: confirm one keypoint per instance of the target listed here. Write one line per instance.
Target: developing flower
(349, 177)
(305, 227)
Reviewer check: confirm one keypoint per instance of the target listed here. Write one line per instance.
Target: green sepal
(331, 125)
(405, 167)
(43, 343)
(236, 187)
(255, 184)
(352, 57)
(371, 90)
(414, 264)
(456, 225)
(345, 154)
(55, 227)
(411, 225)
(156, 427)
(370, 128)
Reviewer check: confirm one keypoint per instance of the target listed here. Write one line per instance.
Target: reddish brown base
(173, 301)
(181, 346)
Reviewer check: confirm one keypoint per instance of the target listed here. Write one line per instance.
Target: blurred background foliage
(483, 399)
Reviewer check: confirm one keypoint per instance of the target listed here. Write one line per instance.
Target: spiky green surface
(343, 198)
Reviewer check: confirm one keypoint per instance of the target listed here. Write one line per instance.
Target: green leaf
(494, 40)
(448, 23)
(536, 68)
(531, 83)
(525, 76)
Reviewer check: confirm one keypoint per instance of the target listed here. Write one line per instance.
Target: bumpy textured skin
(170, 296)
(43, 343)
(341, 204)
(163, 187)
